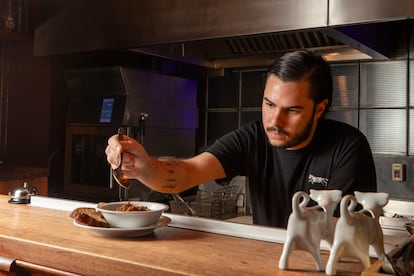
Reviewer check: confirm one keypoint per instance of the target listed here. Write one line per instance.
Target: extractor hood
(231, 33)
(255, 50)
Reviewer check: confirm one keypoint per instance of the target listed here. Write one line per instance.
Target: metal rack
(218, 204)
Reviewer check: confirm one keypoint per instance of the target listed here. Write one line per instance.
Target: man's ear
(320, 108)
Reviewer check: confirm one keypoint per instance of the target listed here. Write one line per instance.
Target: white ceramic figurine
(357, 230)
(373, 202)
(307, 226)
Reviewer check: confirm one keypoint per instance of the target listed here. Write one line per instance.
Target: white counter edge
(262, 233)
(59, 203)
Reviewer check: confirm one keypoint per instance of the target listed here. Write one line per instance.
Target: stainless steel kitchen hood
(256, 50)
(230, 33)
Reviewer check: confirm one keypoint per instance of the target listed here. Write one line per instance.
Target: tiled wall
(399, 190)
(389, 136)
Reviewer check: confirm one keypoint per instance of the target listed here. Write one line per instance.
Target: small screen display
(106, 111)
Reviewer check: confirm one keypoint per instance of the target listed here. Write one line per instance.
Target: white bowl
(132, 219)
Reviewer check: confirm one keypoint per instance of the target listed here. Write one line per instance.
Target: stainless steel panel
(411, 82)
(345, 85)
(356, 11)
(96, 25)
(252, 50)
(383, 84)
(171, 101)
(385, 130)
(411, 132)
(347, 116)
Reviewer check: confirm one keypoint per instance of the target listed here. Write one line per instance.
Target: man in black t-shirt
(338, 157)
(292, 148)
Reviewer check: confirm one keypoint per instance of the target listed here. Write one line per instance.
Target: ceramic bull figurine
(307, 226)
(357, 230)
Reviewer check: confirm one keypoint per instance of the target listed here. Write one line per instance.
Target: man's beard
(294, 139)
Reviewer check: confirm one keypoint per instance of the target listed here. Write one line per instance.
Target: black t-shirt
(339, 157)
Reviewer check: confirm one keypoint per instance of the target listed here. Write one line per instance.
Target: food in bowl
(132, 219)
(129, 207)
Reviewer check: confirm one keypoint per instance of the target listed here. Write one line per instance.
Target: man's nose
(278, 117)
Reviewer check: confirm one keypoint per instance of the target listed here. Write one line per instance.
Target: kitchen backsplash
(397, 189)
(373, 96)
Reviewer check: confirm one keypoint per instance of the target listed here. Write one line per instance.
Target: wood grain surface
(47, 237)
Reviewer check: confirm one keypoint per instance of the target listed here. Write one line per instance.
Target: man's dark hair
(304, 65)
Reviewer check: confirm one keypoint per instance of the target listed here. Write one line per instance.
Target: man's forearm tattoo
(171, 178)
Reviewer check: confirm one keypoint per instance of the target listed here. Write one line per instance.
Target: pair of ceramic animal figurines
(354, 233)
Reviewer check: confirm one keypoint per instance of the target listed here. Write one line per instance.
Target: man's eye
(294, 110)
(269, 104)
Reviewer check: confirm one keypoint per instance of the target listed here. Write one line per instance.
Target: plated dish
(132, 214)
(124, 232)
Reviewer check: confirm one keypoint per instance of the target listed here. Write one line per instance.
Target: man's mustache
(277, 129)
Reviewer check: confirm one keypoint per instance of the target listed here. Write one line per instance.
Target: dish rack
(218, 204)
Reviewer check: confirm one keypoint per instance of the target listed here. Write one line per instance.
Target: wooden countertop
(49, 238)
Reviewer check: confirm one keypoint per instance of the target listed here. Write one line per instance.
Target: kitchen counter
(46, 239)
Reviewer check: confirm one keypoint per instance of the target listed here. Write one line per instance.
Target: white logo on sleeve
(318, 180)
